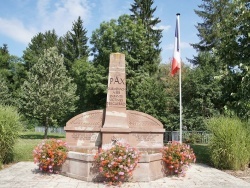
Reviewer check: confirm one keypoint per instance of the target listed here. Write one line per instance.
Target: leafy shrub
(117, 163)
(177, 157)
(192, 138)
(10, 125)
(229, 145)
(50, 154)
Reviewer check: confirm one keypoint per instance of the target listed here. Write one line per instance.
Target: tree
(224, 31)
(12, 74)
(224, 34)
(39, 43)
(142, 11)
(75, 44)
(5, 95)
(204, 99)
(48, 94)
(148, 96)
(125, 36)
(4, 61)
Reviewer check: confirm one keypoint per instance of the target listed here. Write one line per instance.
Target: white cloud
(49, 14)
(111, 9)
(15, 29)
(164, 27)
(60, 15)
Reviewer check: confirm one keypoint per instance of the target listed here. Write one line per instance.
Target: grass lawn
(26, 143)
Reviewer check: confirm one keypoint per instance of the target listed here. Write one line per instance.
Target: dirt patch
(242, 174)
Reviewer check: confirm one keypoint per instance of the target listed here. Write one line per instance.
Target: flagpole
(180, 92)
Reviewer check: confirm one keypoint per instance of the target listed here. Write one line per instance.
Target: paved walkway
(26, 174)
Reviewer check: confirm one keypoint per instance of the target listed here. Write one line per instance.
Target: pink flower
(121, 173)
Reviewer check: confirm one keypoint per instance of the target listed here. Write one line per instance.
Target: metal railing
(201, 137)
(51, 130)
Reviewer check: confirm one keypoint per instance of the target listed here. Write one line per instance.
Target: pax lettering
(117, 80)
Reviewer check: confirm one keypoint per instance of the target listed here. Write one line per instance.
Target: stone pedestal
(80, 166)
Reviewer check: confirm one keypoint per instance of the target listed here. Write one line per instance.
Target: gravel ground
(242, 174)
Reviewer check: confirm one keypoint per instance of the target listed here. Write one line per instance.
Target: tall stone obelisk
(116, 120)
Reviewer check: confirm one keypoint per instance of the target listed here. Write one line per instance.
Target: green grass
(202, 153)
(27, 142)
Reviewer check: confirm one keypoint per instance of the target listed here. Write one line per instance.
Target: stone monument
(87, 132)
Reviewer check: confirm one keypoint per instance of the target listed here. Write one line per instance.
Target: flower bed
(117, 163)
(50, 155)
(177, 157)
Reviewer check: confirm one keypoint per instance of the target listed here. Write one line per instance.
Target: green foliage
(48, 95)
(75, 44)
(5, 95)
(147, 94)
(125, 36)
(204, 99)
(202, 153)
(142, 12)
(224, 33)
(91, 85)
(192, 138)
(10, 125)
(39, 43)
(26, 143)
(229, 146)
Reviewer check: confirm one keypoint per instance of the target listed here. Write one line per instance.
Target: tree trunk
(46, 126)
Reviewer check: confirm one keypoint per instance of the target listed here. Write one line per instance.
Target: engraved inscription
(85, 136)
(116, 96)
(145, 137)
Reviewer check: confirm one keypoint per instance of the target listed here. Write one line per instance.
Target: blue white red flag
(176, 62)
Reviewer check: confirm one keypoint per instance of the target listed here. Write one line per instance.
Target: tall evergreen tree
(75, 43)
(48, 95)
(12, 75)
(4, 61)
(5, 95)
(142, 11)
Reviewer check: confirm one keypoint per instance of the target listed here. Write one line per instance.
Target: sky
(21, 20)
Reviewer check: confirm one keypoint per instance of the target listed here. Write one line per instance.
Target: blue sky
(20, 20)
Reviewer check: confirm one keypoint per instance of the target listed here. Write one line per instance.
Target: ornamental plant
(117, 162)
(177, 156)
(50, 155)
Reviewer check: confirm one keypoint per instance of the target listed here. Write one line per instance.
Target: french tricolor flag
(176, 62)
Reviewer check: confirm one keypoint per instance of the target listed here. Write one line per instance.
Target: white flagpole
(178, 18)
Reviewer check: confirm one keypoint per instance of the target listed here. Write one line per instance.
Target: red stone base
(80, 166)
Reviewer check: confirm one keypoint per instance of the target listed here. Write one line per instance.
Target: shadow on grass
(35, 135)
(202, 153)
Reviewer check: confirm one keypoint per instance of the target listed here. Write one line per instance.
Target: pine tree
(48, 95)
(142, 11)
(75, 43)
